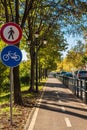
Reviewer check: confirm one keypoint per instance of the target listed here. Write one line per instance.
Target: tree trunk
(28, 7)
(17, 91)
(32, 55)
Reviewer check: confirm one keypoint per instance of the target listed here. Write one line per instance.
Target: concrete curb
(29, 118)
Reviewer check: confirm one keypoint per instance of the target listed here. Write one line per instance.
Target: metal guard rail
(77, 86)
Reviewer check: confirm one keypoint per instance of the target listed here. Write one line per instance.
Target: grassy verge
(19, 113)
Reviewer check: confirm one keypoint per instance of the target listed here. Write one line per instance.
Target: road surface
(58, 109)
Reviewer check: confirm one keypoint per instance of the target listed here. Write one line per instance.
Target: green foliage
(25, 72)
(4, 78)
(84, 59)
(51, 19)
(4, 97)
(4, 73)
(76, 58)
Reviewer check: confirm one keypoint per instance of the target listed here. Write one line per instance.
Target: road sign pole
(11, 94)
(11, 56)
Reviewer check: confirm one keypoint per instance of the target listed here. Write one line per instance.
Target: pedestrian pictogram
(11, 56)
(11, 33)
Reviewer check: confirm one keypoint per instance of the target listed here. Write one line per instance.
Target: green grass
(24, 88)
(6, 109)
(5, 97)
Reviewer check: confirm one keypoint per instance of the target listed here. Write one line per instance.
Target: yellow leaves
(65, 65)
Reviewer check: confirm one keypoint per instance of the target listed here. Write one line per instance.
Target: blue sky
(24, 54)
(72, 40)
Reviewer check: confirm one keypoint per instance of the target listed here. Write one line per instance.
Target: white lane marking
(63, 109)
(33, 120)
(31, 126)
(68, 123)
(60, 101)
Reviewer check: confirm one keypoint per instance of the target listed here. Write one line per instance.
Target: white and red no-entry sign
(11, 33)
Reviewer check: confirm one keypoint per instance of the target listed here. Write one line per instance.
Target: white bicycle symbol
(10, 55)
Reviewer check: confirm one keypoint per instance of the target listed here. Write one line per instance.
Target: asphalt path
(58, 109)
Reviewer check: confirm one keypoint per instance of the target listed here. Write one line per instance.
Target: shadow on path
(50, 101)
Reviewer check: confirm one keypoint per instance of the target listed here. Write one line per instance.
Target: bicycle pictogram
(11, 55)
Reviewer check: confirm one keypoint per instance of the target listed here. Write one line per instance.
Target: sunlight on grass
(30, 95)
(6, 109)
(4, 94)
(16, 111)
(24, 88)
(5, 98)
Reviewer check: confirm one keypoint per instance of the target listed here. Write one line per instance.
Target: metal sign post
(11, 94)
(11, 56)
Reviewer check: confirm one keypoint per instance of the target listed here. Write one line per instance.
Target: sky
(24, 55)
(72, 40)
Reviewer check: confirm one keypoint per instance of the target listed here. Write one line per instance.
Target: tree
(12, 13)
(42, 17)
(76, 57)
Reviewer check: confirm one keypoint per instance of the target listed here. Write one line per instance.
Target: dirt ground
(19, 114)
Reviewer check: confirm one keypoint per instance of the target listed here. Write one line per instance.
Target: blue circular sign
(11, 56)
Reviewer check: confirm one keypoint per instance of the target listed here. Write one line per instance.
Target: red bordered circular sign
(11, 33)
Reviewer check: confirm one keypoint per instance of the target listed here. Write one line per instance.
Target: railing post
(86, 92)
(77, 88)
(74, 85)
(68, 80)
(63, 79)
(81, 89)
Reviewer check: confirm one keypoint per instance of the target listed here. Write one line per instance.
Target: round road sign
(11, 33)
(11, 56)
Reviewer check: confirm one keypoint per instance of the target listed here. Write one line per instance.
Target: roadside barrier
(77, 86)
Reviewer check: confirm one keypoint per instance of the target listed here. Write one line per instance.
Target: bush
(25, 80)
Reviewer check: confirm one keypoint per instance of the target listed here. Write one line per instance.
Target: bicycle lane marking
(60, 102)
(67, 120)
(68, 123)
(31, 126)
(33, 120)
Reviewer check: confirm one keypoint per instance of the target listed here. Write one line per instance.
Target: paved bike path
(58, 109)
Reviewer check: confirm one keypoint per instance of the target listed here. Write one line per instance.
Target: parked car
(62, 73)
(82, 74)
(68, 74)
